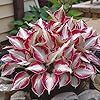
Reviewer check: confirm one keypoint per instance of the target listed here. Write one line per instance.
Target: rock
(19, 95)
(89, 95)
(66, 96)
(86, 95)
(4, 80)
(84, 85)
(5, 95)
(5, 91)
(34, 99)
(5, 87)
(96, 81)
(2, 96)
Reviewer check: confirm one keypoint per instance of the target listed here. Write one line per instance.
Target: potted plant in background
(51, 54)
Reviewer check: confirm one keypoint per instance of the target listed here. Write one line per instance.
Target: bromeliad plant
(51, 53)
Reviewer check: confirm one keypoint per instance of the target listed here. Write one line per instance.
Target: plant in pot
(51, 54)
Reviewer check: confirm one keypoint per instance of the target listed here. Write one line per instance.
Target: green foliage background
(35, 13)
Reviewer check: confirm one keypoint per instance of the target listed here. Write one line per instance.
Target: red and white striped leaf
(82, 25)
(71, 23)
(36, 67)
(75, 81)
(91, 42)
(88, 33)
(40, 41)
(43, 29)
(31, 40)
(40, 53)
(21, 80)
(75, 36)
(53, 42)
(64, 79)
(23, 63)
(84, 71)
(7, 58)
(54, 55)
(75, 60)
(20, 56)
(77, 31)
(17, 54)
(61, 67)
(22, 34)
(84, 59)
(68, 50)
(16, 41)
(50, 81)
(46, 35)
(8, 47)
(8, 69)
(63, 47)
(91, 57)
(60, 14)
(59, 29)
(66, 33)
(52, 24)
(37, 86)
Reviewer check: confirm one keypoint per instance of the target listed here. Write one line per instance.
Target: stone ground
(95, 23)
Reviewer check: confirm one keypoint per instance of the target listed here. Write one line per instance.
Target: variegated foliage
(55, 52)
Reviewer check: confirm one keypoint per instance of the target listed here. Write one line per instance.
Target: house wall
(6, 15)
